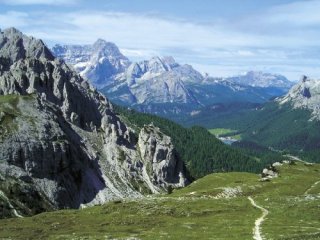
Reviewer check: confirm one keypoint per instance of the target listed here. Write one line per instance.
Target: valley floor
(218, 206)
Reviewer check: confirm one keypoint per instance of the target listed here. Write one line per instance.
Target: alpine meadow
(136, 119)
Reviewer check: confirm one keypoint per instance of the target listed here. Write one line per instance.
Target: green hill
(202, 152)
(280, 127)
(218, 206)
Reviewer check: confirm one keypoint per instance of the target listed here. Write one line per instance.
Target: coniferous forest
(202, 152)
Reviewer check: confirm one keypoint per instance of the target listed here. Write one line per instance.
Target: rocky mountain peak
(169, 60)
(107, 49)
(96, 62)
(160, 64)
(305, 94)
(16, 46)
(262, 79)
(63, 138)
(28, 67)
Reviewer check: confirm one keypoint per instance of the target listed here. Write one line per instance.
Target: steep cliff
(60, 139)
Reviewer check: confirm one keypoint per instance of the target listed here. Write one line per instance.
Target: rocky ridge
(162, 86)
(159, 80)
(305, 94)
(62, 145)
(97, 62)
(261, 79)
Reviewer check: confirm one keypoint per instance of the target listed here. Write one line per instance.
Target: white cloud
(275, 39)
(303, 13)
(16, 19)
(138, 54)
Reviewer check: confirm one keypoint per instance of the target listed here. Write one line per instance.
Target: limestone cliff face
(305, 94)
(97, 62)
(160, 158)
(61, 140)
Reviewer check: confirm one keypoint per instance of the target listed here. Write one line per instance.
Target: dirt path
(312, 186)
(257, 228)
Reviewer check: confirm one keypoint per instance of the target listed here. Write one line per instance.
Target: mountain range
(61, 143)
(287, 124)
(161, 85)
(97, 62)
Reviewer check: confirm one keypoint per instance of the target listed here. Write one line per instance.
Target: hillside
(289, 123)
(264, 80)
(61, 143)
(202, 152)
(64, 145)
(164, 87)
(218, 206)
(97, 62)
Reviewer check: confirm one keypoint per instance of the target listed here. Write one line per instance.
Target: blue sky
(223, 38)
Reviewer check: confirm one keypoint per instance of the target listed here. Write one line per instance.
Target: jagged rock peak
(160, 155)
(107, 49)
(261, 79)
(161, 64)
(96, 62)
(63, 141)
(28, 67)
(305, 94)
(16, 46)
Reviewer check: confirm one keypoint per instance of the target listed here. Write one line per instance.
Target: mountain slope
(61, 141)
(97, 62)
(305, 94)
(157, 81)
(201, 151)
(264, 80)
(164, 87)
(178, 92)
(203, 210)
(288, 123)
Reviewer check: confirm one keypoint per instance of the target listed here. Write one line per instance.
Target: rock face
(61, 144)
(305, 94)
(160, 157)
(160, 80)
(97, 62)
(161, 85)
(261, 79)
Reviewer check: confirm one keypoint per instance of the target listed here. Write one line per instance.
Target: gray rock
(261, 79)
(161, 85)
(97, 62)
(305, 94)
(269, 173)
(61, 140)
(160, 158)
(157, 81)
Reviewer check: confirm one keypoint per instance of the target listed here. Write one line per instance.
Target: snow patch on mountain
(97, 62)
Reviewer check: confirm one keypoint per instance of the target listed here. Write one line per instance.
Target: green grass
(224, 132)
(202, 152)
(199, 211)
(220, 131)
(9, 111)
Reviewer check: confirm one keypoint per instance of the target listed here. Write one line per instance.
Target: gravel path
(257, 228)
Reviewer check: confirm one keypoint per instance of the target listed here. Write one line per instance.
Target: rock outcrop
(162, 86)
(160, 158)
(269, 173)
(97, 62)
(263, 80)
(60, 140)
(305, 94)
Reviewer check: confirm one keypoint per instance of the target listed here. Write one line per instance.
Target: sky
(222, 38)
